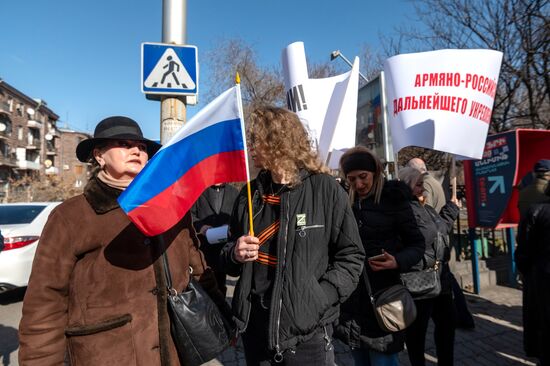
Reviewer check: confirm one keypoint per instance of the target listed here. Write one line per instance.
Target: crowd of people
(309, 263)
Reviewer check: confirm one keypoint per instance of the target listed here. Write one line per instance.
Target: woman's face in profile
(360, 181)
(122, 159)
(418, 188)
(257, 157)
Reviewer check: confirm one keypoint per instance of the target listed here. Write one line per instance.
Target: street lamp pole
(337, 53)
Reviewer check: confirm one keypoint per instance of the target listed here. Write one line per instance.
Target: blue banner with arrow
(493, 178)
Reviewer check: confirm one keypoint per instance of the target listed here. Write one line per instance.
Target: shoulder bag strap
(438, 238)
(171, 289)
(166, 266)
(367, 283)
(167, 271)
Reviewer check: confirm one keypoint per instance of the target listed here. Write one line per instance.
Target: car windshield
(10, 215)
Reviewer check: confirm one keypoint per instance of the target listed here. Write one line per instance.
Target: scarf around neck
(121, 184)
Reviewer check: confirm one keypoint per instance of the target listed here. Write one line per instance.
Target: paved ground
(496, 340)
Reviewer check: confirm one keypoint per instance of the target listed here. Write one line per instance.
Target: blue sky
(83, 57)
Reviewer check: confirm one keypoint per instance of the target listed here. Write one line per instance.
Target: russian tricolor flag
(210, 148)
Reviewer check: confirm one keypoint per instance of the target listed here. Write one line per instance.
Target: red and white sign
(442, 100)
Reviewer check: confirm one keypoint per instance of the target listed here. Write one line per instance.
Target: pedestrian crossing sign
(169, 69)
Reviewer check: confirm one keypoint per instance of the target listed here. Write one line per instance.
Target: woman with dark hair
(392, 244)
(97, 293)
(305, 256)
(435, 228)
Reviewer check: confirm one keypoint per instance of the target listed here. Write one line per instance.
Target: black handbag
(426, 283)
(423, 284)
(199, 330)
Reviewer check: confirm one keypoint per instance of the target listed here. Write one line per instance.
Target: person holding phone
(393, 244)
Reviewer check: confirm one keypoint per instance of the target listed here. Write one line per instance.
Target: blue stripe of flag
(172, 162)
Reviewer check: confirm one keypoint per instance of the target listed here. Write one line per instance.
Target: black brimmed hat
(114, 128)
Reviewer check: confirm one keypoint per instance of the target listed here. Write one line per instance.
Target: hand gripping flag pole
(248, 190)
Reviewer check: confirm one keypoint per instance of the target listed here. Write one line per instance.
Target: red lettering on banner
(477, 82)
(437, 79)
(482, 191)
(417, 81)
(433, 79)
(501, 141)
(431, 102)
(480, 111)
(481, 83)
(407, 105)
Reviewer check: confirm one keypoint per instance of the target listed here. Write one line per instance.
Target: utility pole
(174, 24)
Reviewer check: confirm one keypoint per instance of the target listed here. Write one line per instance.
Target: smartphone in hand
(379, 257)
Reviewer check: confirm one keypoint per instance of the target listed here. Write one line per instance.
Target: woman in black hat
(97, 293)
(393, 243)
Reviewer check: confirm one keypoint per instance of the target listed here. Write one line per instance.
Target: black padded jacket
(319, 261)
(389, 225)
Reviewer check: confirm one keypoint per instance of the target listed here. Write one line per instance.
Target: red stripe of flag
(163, 211)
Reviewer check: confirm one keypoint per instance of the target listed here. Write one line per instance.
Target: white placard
(327, 107)
(442, 100)
(217, 235)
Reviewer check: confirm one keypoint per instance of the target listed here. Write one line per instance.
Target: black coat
(533, 261)
(533, 252)
(204, 213)
(389, 225)
(435, 228)
(319, 264)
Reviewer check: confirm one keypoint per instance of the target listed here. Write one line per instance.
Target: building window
(20, 133)
(19, 109)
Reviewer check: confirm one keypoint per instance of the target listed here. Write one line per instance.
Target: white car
(21, 225)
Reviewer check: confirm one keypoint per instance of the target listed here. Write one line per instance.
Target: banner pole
(452, 174)
(396, 165)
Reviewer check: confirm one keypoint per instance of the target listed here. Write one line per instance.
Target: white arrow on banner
(498, 183)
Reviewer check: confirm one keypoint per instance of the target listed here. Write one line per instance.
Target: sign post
(173, 109)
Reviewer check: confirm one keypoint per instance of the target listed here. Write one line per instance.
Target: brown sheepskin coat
(97, 294)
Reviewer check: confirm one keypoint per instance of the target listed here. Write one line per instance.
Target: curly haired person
(305, 256)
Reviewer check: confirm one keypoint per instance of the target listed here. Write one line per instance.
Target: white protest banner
(327, 107)
(442, 100)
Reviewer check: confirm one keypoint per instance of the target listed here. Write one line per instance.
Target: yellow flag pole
(250, 209)
(248, 189)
